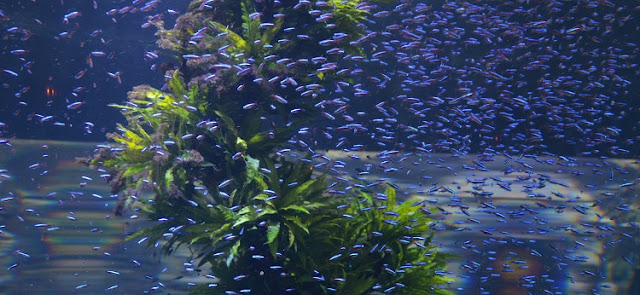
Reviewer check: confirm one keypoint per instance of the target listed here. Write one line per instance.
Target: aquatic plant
(205, 146)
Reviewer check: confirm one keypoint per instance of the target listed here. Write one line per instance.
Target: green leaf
(260, 143)
(242, 220)
(267, 211)
(391, 195)
(140, 233)
(228, 123)
(235, 38)
(168, 177)
(268, 35)
(358, 285)
(250, 126)
(263, 185)
(226, 212)
(206, 164)
(176, 84)
(296, 208)
(296, 220)
(252, 169)
(292, 238)
(261, 197)
(251, 28)
(245, 210)
(135, 169)
(246, 19)
(298, 193)
(272, 232)
(193, 92)
(367, 197)
(233, 252)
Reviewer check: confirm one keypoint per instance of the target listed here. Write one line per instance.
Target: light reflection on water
(80, 241)
(553, 233)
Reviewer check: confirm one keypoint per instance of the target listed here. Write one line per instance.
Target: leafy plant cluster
(205, 146)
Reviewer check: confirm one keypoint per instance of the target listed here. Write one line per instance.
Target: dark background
(57, 60)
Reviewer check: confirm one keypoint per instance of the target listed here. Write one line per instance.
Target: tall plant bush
(210, 147)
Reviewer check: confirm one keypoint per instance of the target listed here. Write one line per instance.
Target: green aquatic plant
(211, 147)
(254, 38)
(372, 244)
(349, 14)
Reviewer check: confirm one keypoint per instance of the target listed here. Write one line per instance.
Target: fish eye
(49, 91)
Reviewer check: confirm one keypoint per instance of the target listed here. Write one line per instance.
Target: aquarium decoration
(212, 148)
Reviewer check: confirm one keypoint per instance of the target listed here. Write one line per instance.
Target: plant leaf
(168, 177)
(135, 169)
(228, 123)
(242, 220)
(391, 195)
(233, 252)
(296, 208)
(235, 38)
(176, 84)
(296, 220)
(272, 232)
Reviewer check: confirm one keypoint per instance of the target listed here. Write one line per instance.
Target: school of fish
(506, 100)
